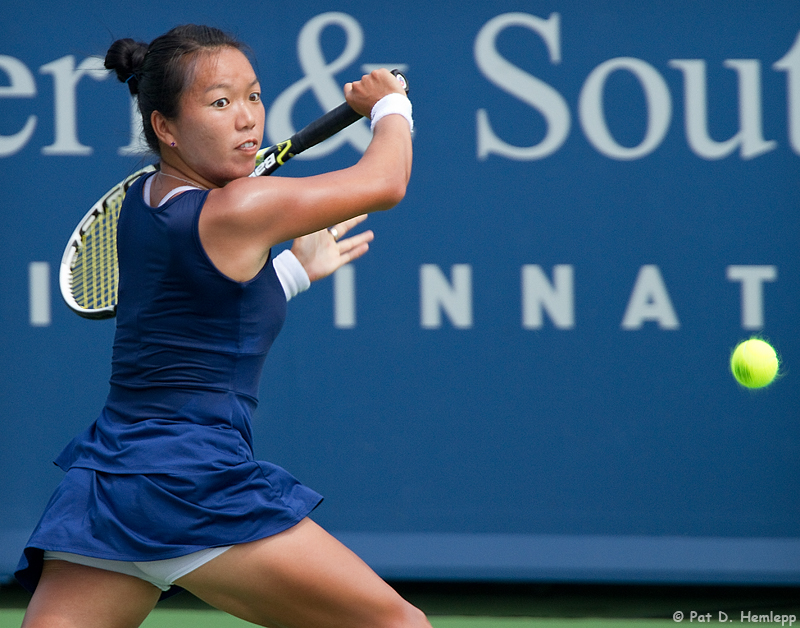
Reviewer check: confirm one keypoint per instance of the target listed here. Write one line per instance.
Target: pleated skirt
(140, 517)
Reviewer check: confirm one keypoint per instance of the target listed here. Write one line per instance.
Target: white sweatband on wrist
(389, 104)
(293, 277)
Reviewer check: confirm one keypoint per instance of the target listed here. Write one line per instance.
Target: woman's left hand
(323, 252)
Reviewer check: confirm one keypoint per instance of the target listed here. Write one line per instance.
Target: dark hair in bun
(125, 57)
(160, 72)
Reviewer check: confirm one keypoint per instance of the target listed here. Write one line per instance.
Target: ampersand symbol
(319, 77)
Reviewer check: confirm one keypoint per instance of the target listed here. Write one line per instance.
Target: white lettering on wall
(65, 78)
(344, 297)
(438, 295)
(137, 145)
(553, 107)
(524, 86)
(790, 64)
(539, 295)
(21, 85)
(750, 138)
(752, 278)
(543, 98)
(650, 302)
(593, 119)
(320, 79)
(39, 310)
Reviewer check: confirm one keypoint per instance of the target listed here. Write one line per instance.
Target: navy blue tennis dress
(167, 468)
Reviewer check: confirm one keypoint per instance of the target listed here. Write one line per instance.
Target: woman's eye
(222, 102)
(255, 97)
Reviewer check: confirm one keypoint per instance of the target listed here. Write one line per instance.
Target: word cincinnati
(546, 298)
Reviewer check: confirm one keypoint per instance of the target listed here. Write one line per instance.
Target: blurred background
(526, 380)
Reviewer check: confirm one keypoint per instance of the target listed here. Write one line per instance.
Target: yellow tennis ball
(754, 363)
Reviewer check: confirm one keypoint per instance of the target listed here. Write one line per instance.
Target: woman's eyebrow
(226, 85)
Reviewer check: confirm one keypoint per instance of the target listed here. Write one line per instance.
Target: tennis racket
(89, 273)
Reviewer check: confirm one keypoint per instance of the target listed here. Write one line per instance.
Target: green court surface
(177, 618)
(484, 605)
(207, 619)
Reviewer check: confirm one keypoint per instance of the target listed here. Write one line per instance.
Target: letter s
(524, 86)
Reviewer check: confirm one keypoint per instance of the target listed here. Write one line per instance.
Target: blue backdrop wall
(527, 377)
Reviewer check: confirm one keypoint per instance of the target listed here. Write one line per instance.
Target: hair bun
(125, 57)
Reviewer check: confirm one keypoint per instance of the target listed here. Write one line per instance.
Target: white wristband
(291, 274)
(389, 104)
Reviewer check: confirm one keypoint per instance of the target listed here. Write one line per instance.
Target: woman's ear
(162, 128)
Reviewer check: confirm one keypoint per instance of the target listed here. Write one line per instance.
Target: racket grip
(324, 127)
(331, 123)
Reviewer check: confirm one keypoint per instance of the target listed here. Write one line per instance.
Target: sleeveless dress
(167, 468)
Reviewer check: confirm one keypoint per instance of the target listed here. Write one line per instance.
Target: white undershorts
(160, 573)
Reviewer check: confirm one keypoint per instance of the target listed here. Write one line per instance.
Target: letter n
(438, 295)
(538, 294)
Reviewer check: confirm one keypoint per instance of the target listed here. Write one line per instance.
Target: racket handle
(324, 127)
(270, 159)
(331, 123)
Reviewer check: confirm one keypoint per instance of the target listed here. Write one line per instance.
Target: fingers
(384, 79)
(353, 253)
(347, 245)
(338, 230)
(353, 247)
(352, 222)
(361, 95)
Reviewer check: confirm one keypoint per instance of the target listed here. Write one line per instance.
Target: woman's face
(221, 121)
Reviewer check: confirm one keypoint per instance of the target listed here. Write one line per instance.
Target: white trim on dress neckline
(170, 194)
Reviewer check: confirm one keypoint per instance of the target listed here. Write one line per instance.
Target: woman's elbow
(393, 190)
(397, 192)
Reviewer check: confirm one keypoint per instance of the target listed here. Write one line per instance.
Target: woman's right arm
(243, 220)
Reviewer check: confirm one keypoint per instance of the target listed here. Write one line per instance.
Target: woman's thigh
(301, 578)
(75, 596)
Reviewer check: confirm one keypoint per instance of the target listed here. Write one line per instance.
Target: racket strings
(94, 271)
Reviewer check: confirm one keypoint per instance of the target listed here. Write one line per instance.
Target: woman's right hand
(362, 95)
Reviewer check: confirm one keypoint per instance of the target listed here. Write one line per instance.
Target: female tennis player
(162, 489)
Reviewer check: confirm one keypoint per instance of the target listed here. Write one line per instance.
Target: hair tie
(133, 75)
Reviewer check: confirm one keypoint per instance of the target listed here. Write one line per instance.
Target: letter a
(650, 302)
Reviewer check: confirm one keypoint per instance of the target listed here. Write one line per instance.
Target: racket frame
(76, 244)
